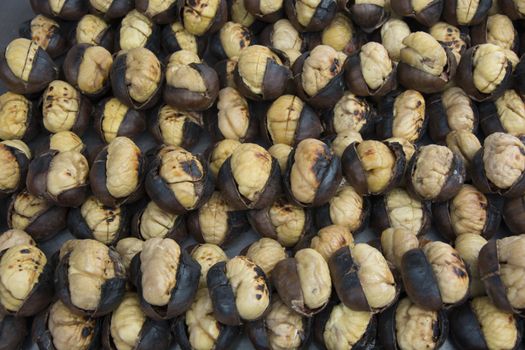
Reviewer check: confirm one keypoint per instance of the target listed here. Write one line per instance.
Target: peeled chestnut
(514, 214)
(203, 16)
(505, 114)
(435, 173)
(111, 9)
(327, 240)
(26, 68)
(350, 113)
(26, 287)
(207, 255)
(137, 31)
(496, 29)
(95, 31)
(114, 119)
(63, 141)
(303, 282)
(127, 248)
(60, 328)
(426, 12)
(230, 40)
(239, 291)
(18, 117)
(283, 36)
(465, 144)
(310, 16)
(14, 162)
(216, 221)
(464, 12)
(160, 11)
(265, 11)
(87, 68)
(219, 152)
(35, 216)
(151, 221)
(468, 247)
(69, 10)
(266, 253)
(137, 78)
(117, 173)
(175, 38)
(395, 242)
(175, 127)
(200, 329)
(13, 332)
(451, 37)
(64, 108)
(393, 32)
(47, 33)
(13, 237)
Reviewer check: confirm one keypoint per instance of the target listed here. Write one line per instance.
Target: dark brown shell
(429, 16)
(133, 124)
(178, 232)
(508, 7)
(222, 296)
(450, 9)
(237, 224)
(368, 17)
(191, 132)
(13, 332)
(478, 34)
(117, 9)
(490, 119)
(323, 15)
(57, 41)
(356, 82)
(23, 165)
(254, 8)
(163, 17)
(519, 75)
(72, 10)
(514, 214)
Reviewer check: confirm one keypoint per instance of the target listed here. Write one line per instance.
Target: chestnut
(282, 35)
(425, 64)
(87, 68)
(35, 216)
(128, 327)
(266, 253)
(435, 173)
(318, 76)
(114, 119)
(505, 114)
(69, 10)
(512, 8)
(93, 220)
(484, 72)
(425, 12)
(303, 282)
(117, 173)
(63, 141)
(111, 9)
(514, 214)
(13, 237)
(465, 144)
(451, 37)
(395, 242)
(207, 255)
(47, 33)
(328, 240)
(393, 32)
(26, 68)
(14, 162)
(26, 287)
(350, 113)
(216, 221)
(64, 108)
(174, 127)
(406, 325)
(280, 151)
(369, 15)
(373, 167)
(137, 31)
(451, 110)
(310, 16)
(151, 221)
(221, 151)
(265, 11)
(399, 209)
(190, 84)
(313, 174)
(127, 248)
(13, 332)
(59, 328)
(499, 167)
(281, 328)
(464, 12)
(496, 29)
(159, 11)
(468, 247)
(239, 291)
(225, 70)
(203, 16)
(175, 38)
(59, 177)
(230, 40)
(95, 31)
(341, 34)
(200, 329)
(18, 117)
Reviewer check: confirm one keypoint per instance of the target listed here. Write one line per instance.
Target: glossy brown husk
(514, 214)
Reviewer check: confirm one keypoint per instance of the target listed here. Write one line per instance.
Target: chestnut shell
(449, 12)
(191, 132)
(490, 119)
(170, 44)
(72, 10)
(57, 42)
(13, 331)
(133, 124)
(429, 16)
(163, 17)
(254, 8)
(324, 13)
(514, 214)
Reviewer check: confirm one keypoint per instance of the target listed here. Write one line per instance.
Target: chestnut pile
(161, 134)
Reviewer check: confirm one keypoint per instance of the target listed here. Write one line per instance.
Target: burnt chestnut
(406, 325)
(137, 31)
(26, 68)
(308, 15)
(178, 181)
(87, 68)
(35, 216)
(281, 328)
(128, 327)
(283, 36)
(13, 332)
(399, 209)
(18, 117)
(313, 174)
(59, 328)
(203, 16)
(426, 12)
(90, 278)
(160, 11)
(465, 144)
(175, 38)
(393, 32)
(350, 113)
(496, 29)
(47, 33)
(465, 12)
(111, 9)
(266, 253)
(199, 328)
(514, 214)
(94, 220)
(221, 151)
(151, 221)
(505, 114)
(93, 30)
(216, 221)
(230, 40)
(190, 84)
(451, 37)
(14, 162)
(117, 173)
(13, 237)
(137, 78)
(280, 152)
(114, 119)
(64, 108)
(435, 173)
(207, 255)
(175, 127)
(469, 211)
(26, 287)
(289, 120)
(265, 11)
(499, 167)
(328, 240)
(59, 177)
(395, 242)
(69, 10)
(303, 282)
(127, 248)
(452, 110)
(468, 247)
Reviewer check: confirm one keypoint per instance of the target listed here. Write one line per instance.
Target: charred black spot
(335, 66)
(86, 331)
(435, 330)
(459, 272)
(258, 296)
(192, 168)
(259, 287)
(25, 251)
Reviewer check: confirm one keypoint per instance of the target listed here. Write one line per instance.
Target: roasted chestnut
(221, 151)
(203, 16)
(225, 70)
(328, 240)
(59, 328)
(283, 36)
(128, 248)
(313, 174)
(87, 68)
(261, 73)
(151, 221)
(479, 324)
(137, 78)
(174, 127)
(160, 11)
(303, 282)
(505, 114)
(26, 68)
(465, 144)
(26, 287)
(280, 151)
(514, 214)
(70, 10)
(426, 12)
(14, 162)
(13, 332)
(406, 325)
(207, 255)
(239, 291)
(111, 9)
(216, 221)
(230, 40)
(90, 278)
(393, 32)
(65, 109)
(395, 242)
(63, 141)
(13, 237)
(499, 167)
(128, 327)
(496, 29)
(265, 11)
(435, 173)
(239, 14)
(513, 9)
(47, 33)
(464, 12)
(175, 38)
(451, 37)
(137, 31)
(18, 117)
(114, 119)
(199, 328)
(310, 16)
(266, 253)
(93, 30)
(468, 246)
(35, 216)
(117, 173)
(350, 113)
